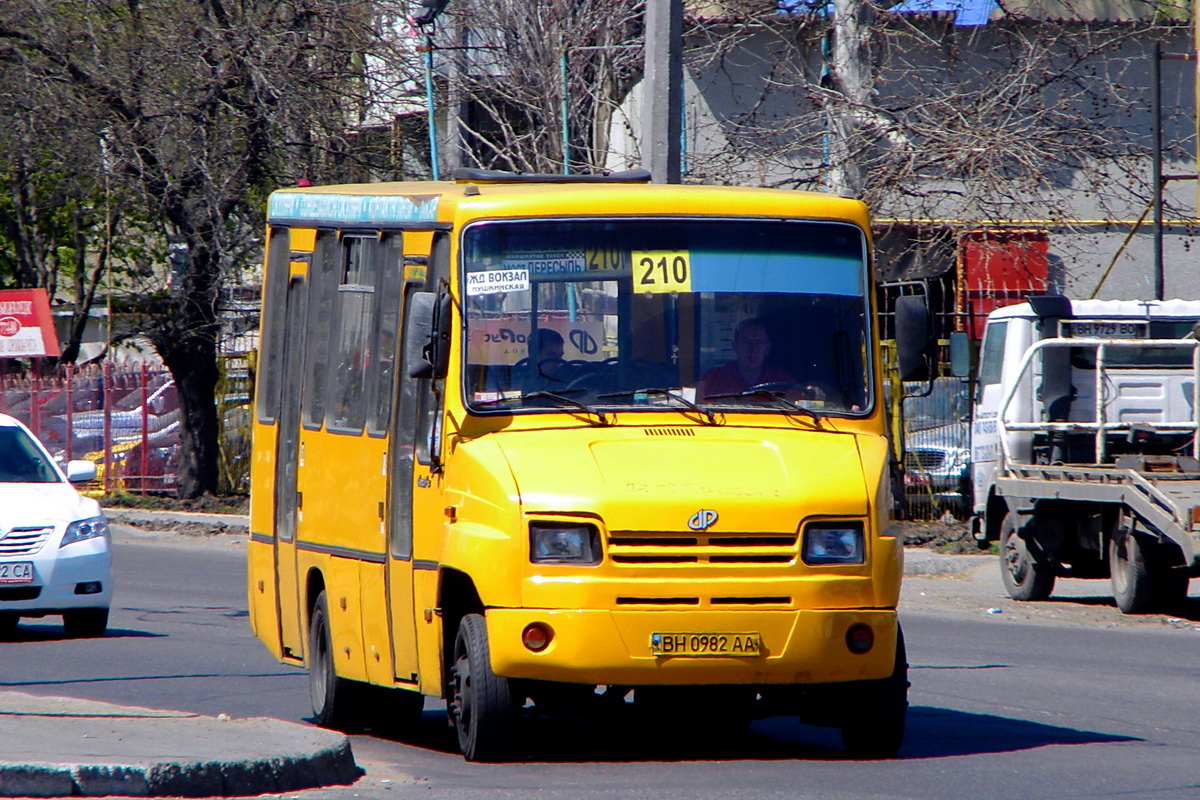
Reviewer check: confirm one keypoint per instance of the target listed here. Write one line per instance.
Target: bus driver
(751, 345)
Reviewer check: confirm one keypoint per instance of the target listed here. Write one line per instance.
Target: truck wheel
(481, 704)
(332, 696)
(1132, 586)
(874, 727)
(1028, 574)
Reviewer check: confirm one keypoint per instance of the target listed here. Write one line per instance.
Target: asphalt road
(1005, 705)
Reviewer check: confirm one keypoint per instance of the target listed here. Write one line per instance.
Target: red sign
(26, 327)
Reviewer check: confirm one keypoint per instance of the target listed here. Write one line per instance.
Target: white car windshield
(21, 461)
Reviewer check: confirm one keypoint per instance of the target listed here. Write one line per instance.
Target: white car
(55, 548)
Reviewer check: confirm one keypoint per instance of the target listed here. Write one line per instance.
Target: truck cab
(1083, 436)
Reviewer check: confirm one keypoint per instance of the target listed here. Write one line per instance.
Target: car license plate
(1107, 330)
(17, 572)
(705, 644)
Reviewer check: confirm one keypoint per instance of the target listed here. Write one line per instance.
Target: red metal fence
(127, 421)
(124, 419)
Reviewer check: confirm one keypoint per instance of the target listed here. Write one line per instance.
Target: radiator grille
(669, 431)
(642, 548)
(16, 593)
(722, 602)
(924, 459)
(24, 541)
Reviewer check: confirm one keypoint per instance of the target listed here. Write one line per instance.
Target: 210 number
(662, 271)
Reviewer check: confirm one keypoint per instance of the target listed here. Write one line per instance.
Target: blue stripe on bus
(778, 272)
(301, 206)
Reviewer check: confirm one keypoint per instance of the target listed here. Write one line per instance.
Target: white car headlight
(564, 544)
(83, 529)
(833, 543)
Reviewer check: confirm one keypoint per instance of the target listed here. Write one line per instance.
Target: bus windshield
(753, 315)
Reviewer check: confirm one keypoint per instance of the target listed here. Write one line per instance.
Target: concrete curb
(186, 522)
(69, 747)
(920, 561)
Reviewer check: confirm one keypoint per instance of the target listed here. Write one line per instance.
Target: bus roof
(438, 204)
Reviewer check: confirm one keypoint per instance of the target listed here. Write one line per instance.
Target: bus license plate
(705, 644)
(18, 572)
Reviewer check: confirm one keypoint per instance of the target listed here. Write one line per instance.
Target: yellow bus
(533, 443)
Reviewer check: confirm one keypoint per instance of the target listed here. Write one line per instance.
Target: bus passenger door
(399, 520)
(287, 500)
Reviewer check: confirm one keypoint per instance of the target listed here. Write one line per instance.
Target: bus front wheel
(481, 704)
(874, 726)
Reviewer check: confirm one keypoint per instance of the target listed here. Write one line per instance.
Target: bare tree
(1039, 114)
(508, 78)
(201, 108)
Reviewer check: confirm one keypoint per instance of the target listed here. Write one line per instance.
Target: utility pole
(1156, 177)
(662, 127)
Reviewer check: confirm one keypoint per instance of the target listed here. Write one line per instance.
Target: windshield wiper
(712, 420)
(769, 394)
(558, 397)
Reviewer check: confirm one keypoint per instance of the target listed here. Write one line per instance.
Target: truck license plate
(16, 572)
(1107, 330)
(705, 644)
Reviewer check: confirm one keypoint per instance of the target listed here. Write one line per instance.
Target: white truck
(1085, 446)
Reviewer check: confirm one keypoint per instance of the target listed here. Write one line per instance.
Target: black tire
(874, 727)
(1027, 572)
(85, 623)
(333, 697)
(481, 704)
(1132, 584)
(1169, 575)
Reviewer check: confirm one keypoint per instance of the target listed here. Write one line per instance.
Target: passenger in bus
(751, 346)
(550, 349)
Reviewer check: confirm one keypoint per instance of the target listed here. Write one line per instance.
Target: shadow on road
(932, 733)
(1188, 610)
(27, 631)
(941, 732)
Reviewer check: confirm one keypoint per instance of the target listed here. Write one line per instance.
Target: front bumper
(613, 647)
(56, 578)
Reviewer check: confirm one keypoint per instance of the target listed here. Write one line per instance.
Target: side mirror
(960, 354)
(81, 471)
(427, 335)
(914, 338)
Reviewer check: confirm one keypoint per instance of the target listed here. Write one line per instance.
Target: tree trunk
(187, 343)
(195, 372)
(852, 79)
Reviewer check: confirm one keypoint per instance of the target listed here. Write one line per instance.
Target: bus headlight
(558, 543)
(833, 543)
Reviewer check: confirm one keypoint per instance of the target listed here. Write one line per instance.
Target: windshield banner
(26, 327)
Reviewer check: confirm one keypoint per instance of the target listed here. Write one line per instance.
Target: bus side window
(388, 308)
(354, 321)
(322, 290)
(270, 364)
(430, 391)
